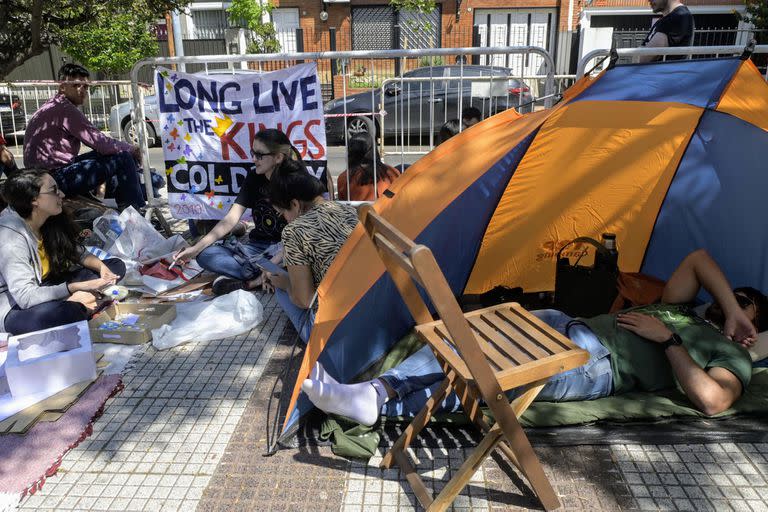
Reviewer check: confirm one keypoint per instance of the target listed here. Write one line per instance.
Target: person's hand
(87, 299)
(645, 326)
(739, 328)
(7, 158)
(263, 282)
(279, 280)
(93, 285)
(186, 254)
(108, 275)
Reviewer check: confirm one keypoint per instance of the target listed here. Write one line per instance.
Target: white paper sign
(208, 122)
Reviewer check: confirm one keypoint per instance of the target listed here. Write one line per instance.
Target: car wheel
(360, 125)
(131, 132)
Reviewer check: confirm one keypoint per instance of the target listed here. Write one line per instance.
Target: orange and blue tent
(670, 156)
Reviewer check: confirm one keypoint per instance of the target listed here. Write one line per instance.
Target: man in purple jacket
(53, 138)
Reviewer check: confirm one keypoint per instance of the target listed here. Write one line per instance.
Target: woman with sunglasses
(46, 278)
(316, 230)
(231, 258)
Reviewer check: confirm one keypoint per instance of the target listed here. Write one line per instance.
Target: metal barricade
(104, 100)
(586, 63)
(360, 70)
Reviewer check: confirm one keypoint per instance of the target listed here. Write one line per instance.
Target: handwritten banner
(208, 123)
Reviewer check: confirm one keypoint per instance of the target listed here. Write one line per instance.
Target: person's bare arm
(659, 40)
(298, 284)
(712, 391)
(698, 270)
(219, 231)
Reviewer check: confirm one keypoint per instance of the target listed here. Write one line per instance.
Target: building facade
(568, 29)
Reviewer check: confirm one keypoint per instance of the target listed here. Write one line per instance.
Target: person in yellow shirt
(47, 278)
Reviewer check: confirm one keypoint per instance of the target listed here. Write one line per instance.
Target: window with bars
(373, 28)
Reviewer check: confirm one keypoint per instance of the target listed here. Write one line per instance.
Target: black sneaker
(224, 285)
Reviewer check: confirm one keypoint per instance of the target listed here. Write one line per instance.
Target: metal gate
(373, 28)
(352, 62)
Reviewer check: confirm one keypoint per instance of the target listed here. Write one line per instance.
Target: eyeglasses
(54, 191)
(258, 155)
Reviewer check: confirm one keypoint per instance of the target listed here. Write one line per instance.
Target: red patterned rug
(27, 460)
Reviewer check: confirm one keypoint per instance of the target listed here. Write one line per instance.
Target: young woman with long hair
(231, 259)
(364, 166)
(47, 279)
(316, 230)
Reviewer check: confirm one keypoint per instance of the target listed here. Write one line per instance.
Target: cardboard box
(134, 325)
(45, 362)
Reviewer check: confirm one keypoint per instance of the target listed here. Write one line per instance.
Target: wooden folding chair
(483, 354)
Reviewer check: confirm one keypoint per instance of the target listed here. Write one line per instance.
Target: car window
(426, 71)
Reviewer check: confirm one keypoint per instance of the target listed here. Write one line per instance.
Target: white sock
(359, 402)
(319, 373)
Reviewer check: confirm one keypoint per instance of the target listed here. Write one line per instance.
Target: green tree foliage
(757, 15)
(250, 14)
(112, 44)
(419, 8)
(29, 27)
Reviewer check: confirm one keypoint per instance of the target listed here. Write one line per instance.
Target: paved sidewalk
(160, 440)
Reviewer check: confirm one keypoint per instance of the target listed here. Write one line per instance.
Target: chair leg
(470, 466)
(420, 421)
(522, 450)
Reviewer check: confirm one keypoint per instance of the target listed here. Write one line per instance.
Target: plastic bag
(138, 239)
(225, 316)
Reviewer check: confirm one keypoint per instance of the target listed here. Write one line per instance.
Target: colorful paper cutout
(222, 125)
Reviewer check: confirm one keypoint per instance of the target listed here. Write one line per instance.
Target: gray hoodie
(20, 269)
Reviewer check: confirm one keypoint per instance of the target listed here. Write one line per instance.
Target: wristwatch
(673, 341)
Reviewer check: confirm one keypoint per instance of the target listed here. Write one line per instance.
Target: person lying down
(650, 348)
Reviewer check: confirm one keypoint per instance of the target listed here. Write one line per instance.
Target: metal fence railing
(596, 60)
(105, 101)
(368, 71)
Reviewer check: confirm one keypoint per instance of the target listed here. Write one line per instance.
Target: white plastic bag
(225, 316)
(137, 239)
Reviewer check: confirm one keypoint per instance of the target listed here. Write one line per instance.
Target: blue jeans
(89, 170)
(418, 377)
(229, 258)
(302, 319)
(57, 312)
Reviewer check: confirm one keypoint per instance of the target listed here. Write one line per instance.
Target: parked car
(11, 114)
(121, 126)
(421, 106)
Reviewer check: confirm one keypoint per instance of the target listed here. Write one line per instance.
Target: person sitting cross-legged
(650, 348)
(55, 133)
